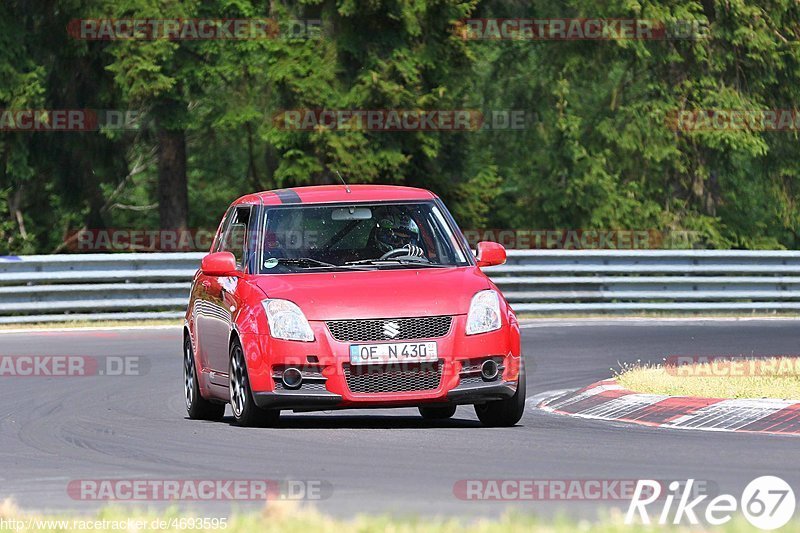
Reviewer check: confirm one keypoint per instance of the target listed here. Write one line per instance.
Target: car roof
(318, 194)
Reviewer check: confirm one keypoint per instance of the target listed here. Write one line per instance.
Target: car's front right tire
(245, 411)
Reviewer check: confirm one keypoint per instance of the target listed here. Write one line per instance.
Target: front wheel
(504, 413)
(197, 407)
(245, 411)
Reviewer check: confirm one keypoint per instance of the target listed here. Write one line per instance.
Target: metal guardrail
(51, 288)
(566, 281)
(46, 288)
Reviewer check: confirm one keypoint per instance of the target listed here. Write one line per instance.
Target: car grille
(386, 329)
(375, 379)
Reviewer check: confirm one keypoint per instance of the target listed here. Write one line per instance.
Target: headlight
(287, 321)
(484, 312)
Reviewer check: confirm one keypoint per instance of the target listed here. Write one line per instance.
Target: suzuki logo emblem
(391, 329)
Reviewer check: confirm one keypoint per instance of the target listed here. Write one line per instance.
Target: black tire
(437, 413)
(245, 411)
(197, 407)
(504, 413)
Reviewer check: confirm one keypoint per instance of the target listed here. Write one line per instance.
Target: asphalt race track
(57, 429)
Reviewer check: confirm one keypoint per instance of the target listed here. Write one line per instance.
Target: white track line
(536, 399)
(729, 416)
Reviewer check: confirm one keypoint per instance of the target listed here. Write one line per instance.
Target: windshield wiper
(302, 261)
(308, 262)
(397, 262)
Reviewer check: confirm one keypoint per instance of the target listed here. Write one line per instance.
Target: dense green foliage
(595, 152)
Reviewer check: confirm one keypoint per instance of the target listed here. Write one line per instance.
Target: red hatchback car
(336, 297)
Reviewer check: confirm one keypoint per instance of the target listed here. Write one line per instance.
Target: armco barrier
(46, 288)
(566, 281)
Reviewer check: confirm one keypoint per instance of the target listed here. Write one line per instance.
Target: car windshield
(358, 236)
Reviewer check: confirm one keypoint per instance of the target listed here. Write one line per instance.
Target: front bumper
(482, 393)
(297, 400)
(322, 401)
(328, 360)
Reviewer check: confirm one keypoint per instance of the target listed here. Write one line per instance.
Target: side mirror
(490, 254)
(219, 264)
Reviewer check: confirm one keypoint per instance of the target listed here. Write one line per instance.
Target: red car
(336, 297)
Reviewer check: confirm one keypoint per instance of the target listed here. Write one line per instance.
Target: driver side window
(234, 236)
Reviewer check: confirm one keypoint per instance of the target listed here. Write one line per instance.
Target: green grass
(777, 377)
(291, 518)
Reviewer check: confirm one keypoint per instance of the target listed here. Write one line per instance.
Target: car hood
(378, 293)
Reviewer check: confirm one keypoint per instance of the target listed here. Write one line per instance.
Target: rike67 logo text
(767, 502)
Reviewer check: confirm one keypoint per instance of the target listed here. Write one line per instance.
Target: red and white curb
(607, 400)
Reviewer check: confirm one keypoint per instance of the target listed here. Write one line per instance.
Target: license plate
(403, 352)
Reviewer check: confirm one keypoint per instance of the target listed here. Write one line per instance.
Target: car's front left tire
(197, 407)
(245, 411)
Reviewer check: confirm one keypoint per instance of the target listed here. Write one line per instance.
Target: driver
(396, 233)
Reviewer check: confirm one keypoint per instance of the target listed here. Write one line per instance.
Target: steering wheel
(405, 252)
